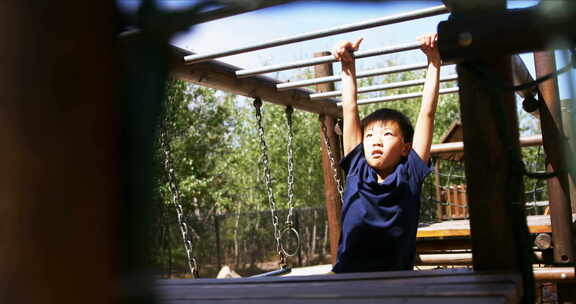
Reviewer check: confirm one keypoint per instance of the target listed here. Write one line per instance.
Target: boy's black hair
(391, 115)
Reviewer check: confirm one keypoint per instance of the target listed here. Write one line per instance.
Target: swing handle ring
(285, 233)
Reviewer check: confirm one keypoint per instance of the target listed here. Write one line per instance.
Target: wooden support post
(59, 187)
(554, 144)
(567, 109)
(495, 188)
(333, 201)
(493, 192)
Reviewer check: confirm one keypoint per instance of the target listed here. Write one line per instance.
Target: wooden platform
(436, 286)
(461, 228)
(454, 235)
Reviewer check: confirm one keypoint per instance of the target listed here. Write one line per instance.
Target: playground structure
(325, 91)
(42, 164)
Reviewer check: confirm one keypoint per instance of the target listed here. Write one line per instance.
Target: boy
(385, 163)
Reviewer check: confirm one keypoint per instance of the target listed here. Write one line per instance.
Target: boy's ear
(406, 149)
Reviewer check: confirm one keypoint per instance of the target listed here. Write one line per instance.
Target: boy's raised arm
(425, 124)
(352, 133)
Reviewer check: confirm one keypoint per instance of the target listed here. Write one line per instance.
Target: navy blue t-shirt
(379, 220)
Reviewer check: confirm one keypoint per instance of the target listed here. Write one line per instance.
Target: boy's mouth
(376, 153)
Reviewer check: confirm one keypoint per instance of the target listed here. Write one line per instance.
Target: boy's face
(384, 145)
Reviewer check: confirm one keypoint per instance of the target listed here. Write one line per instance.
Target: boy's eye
(388, 133)
(368, 134)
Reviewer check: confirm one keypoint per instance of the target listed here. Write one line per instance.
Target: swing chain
(289, 222)
(175, 194)
(332, 161)
(267, 177)
(290, 230)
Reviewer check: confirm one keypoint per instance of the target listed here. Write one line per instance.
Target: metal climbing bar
(428, 12)
(381, 87)
(401, 96)
(327, 59)
(369, 73)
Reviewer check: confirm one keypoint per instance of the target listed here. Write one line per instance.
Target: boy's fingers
(356, 43)
(344, 49)
(339, 50)
(428, 40)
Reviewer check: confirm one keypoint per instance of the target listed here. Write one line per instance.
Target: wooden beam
(490, 126)
(504, 31)
(432, 245)
(444, 259)
(221, 76)
(521, 75)
(331, 194)
(555, 274)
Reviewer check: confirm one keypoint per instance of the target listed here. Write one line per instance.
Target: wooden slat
(448, 244)
(442, 233)
(385, 287)
(338, 291)
(461, 228)
(394, 300)
(390, 276)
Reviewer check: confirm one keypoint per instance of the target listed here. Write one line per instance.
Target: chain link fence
(245, 242)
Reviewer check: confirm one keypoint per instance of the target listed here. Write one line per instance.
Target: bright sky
(306, 16)
(303, 17)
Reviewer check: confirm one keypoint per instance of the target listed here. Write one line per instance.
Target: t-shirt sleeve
(417, 168)
(352, 159)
